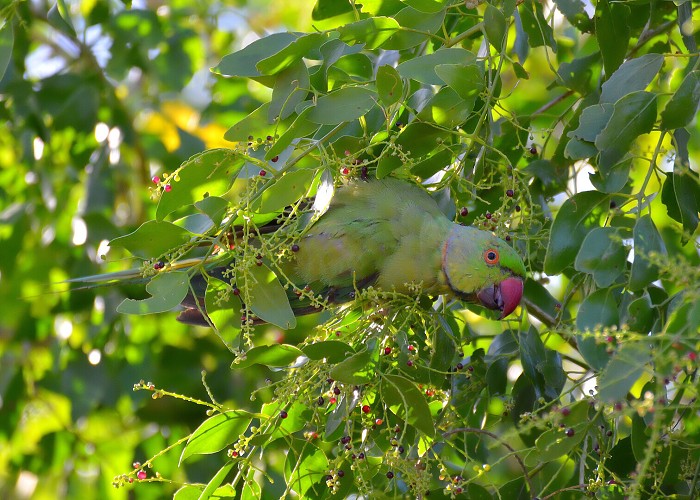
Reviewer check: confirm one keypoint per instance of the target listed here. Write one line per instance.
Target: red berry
(366, 409)
(565, 411)
(159, 265)
(236, 292)
(136, 465)
(155, 179)
(411, 348)
(275, 159)
(387, 350)
(464, 211)
(168, 188)
(332, 401)
(283, 414)
(263, 173)
(409, 363)
(692, 356)
(141, 474)
(345, 171)
(379, 421)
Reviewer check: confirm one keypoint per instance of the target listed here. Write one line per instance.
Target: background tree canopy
(569, 128)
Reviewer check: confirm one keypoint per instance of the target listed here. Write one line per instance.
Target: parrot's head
(480, 267)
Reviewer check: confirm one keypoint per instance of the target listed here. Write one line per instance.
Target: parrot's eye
(491, 256)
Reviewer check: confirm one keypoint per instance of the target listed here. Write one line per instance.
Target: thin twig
(474, 430)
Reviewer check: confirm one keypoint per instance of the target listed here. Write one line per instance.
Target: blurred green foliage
(570, 128)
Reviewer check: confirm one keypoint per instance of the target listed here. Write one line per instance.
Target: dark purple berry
(510, 193)
(464, 211)
(295, 248)
(488, 215)
(390, 475)
(263, 173)
(570, 432)
(341, 473)
(283, 414)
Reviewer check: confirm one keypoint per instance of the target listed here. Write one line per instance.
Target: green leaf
(613, 32)
(210, 173)
(152, 239)
(167, 291)
(405, 399)
(6, 43)
(466, 80)
(389, 85)
(290, 54)
(304, 470)
(623, 370)
(59, 18)
(570, 227)
(592, 121)
(213, 207)
(640, 315)
(577, 74)
(427, 6)
(681, 189)
(343, 105)
(633, 116)
(357, 369)
(646, 240)
(286, 190)
(575, 13)
(433, 163)
(256, 121)
(539, 32)
(244, 62)
(333, 351)
(634, 75)
(291, 87)
(223, 308)
(422, 68)
(495, 25)
(329, 8)
(417, 138)
(447, 109)
(216, 433)
(215, 482)
(683, 106)
(373, 32)
(602, 255)
(554, 443)
(275, 355)
(418, 25)
(599, 309)
(268, 300)
(298, 416)
(301, 127)
(612, 179)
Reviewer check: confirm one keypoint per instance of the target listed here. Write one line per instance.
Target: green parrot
(390, 234)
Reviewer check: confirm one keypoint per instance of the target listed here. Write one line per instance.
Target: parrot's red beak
(505, 296)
